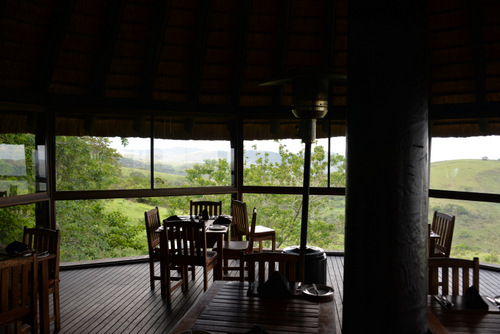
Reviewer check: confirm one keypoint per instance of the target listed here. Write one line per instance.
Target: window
(109, 228)
(192, 163)
(477, 229)
(466, 164)
(91, 163)
(22, 165)
(470, 165)
(12, 221)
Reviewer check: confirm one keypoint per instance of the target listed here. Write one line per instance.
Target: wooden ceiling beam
(239, 64)
(331, 25)
(204, 12)
(477, 47)
(155, 46)
(282, 47)
(55, 36)
(110, 35)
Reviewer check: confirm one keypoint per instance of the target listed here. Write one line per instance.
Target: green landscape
(94, 229)
(477, 227)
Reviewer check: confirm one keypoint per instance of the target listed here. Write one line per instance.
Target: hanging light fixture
(309, 102)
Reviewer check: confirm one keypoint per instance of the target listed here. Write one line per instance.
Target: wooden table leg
(220, 257)
(163, 265)
(43, 293)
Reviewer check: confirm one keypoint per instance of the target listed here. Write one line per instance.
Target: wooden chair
(232, 249)
(242, 229)
(18, 292)
(457, 273)
(289, 265)
(47, 240)
(186, 242)
(213, 208)
(153, 222)
(443, 225)
(152, 219)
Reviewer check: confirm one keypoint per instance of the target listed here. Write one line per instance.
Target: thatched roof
(106, 66)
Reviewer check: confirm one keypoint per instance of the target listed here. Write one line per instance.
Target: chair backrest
(18, 289)
(262, 265)
(443, 225)
(152, 218)
(452, 273)
(45, 240)
(213, 208)
(251, 233)
(186, 242)
(240, 219)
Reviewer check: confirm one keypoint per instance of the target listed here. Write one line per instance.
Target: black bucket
(315, 266)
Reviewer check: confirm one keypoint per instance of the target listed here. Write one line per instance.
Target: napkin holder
(222, 221)
(277, 286)
(17, 248)
(473, 300)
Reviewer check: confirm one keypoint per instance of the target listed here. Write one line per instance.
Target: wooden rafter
(200, 49)
(109, 41)
(477, 46)
(56, 33)
(239, 64)
(282, 47)
(155, 46)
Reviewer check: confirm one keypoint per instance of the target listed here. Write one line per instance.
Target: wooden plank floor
(118, 299)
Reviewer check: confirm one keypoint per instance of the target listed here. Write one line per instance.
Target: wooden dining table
(43, 263)
(226, 308)
(461, 320)
(213, 235)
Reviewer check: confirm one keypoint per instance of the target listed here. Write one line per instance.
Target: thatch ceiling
(192, 59)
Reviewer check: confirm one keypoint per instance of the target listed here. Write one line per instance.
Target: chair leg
(205, 278)
(165, 280)
(152, 273)
(185, 278)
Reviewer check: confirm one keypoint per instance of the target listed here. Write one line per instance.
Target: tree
(86, 163)
(211, 173)
(283, 212)
(16, 174)
(88, 231)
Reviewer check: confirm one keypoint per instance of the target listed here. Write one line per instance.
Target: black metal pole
(305, 197)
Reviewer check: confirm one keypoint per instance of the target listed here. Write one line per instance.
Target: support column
(387, 169)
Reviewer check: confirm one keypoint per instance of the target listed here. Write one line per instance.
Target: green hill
(466, 175)
(477, 230)
(477, 227)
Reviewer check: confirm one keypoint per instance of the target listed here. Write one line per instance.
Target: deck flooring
(118, 299)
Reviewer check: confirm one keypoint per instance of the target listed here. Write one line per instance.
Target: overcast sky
(442, 148)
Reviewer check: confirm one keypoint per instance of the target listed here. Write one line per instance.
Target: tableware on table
(217, 227)
(443, 301)
(317, 292)
(495, 301)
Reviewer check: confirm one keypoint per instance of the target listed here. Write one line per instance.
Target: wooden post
(387, 169)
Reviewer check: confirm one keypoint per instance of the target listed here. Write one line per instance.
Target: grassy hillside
(477, 230)
(466, 175)
(477, 227)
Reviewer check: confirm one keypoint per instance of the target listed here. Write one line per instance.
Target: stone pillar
(387, 169)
